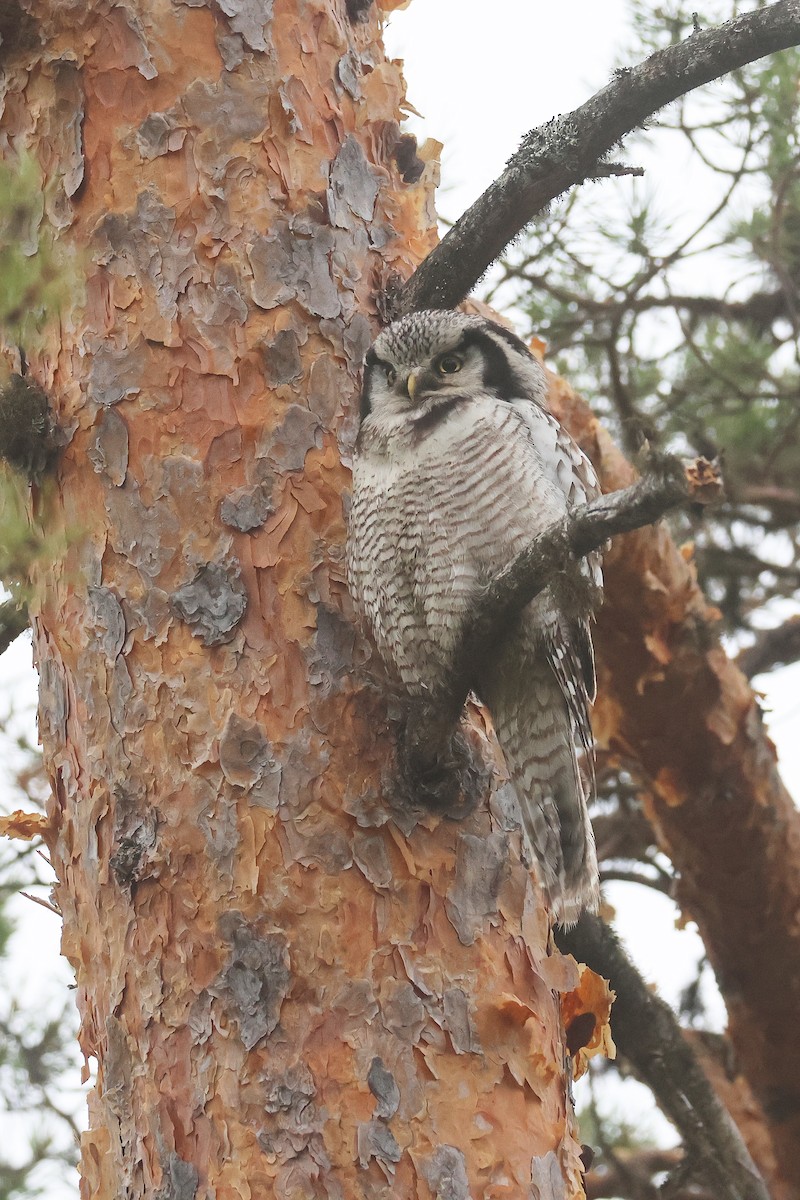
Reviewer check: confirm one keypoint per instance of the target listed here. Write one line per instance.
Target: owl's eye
(449, 364)
(391, 375)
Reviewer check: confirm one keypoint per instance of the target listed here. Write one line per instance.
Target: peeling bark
(292, 983)
(669, 697)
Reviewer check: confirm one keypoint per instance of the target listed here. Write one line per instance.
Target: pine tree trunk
(292, 985)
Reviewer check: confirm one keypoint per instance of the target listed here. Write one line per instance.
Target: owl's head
(434, 357)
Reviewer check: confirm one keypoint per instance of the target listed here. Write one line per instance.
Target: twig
(569, 148)
(648, 1035)
(44, 903)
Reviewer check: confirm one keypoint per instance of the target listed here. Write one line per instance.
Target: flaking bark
(252, 919)
(670, 698)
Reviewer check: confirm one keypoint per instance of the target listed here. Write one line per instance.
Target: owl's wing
(570, 650)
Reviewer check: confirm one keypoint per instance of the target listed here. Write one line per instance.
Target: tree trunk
(669, 697)
(292, 984)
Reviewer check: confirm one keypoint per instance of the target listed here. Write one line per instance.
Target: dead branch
(671, 699)
(585, 528)
(772, 648)
(569, 149)
(648, 1035)
(13, 622)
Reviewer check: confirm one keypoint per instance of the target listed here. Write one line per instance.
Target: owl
(458, 465)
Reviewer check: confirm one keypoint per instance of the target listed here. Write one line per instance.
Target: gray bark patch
(446, 1174)
(116, 373)
(159, 134)
(247, 508)
(245, 755)
(291, 441)
(256, 979)
(289, 266)
(180, 1179)
(547, 1178)
(369, 852)
(249, 18)
(108, 453)
(108, 620)
(376, 1140)
(458, 1022)
(212, 605)
(481, 864)
(282, 358)
(384, 1088)
(353, 187)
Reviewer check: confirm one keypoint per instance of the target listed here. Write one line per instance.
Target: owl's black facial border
(499, 375)
(371, 364)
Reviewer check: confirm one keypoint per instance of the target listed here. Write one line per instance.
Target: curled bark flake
(332, 651)
(348, 74)
(135, 838)
(372, 860)
(458, 1022)
(296, 435)
(212, 605)
(250, 19)
(256, 979)
(158, 134)
(403, 1012)
(547, 1178)
(116, 373)
(53, 699)
(68, 137)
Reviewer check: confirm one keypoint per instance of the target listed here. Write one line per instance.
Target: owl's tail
(535, 731)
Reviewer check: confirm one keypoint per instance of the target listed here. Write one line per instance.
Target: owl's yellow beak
(411, 385)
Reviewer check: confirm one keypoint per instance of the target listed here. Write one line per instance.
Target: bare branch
(585, 528)
(570, 148)
(648, 1035)
(13, 622)
(772, 648)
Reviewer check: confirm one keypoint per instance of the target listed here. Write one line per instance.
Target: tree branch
(648, 1035)
(772, 648)
(13, 622)
(671, 699)
(585, 528)
(570, 148)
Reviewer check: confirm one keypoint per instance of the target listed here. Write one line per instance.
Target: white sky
(481, 74)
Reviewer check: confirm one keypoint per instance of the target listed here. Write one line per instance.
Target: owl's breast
(433, 517)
